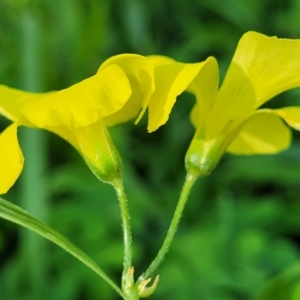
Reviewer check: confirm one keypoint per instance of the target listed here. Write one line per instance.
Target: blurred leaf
(286, 286)
(17, 215)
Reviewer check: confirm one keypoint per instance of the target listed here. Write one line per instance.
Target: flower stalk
(127, 277)
(188, 184)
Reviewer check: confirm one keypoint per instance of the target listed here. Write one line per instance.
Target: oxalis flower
(228, 118)
(79, 114)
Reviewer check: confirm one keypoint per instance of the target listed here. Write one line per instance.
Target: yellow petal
(83, 103)
(140, 73)
(11, 100)
(262, 133)
(130, 110)
(235, 102)
(11, 158)
(158, 60)
(171, 79)
(272, 64)
(291, 115)
(205, 87)
(65, 133)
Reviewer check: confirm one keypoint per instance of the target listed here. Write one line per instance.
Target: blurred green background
(241, 226)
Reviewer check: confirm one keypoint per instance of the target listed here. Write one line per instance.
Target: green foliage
(17, 215)
(241, 227)
(285, 286)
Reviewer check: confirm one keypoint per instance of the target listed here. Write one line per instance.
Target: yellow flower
(228, 118)
(79, 114)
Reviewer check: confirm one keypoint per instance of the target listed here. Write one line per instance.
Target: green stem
(189, 182)
(127, 239)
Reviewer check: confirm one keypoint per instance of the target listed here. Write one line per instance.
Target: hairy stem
(127, 239)
(189, 182)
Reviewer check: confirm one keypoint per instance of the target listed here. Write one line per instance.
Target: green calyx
(99, 152)
(202, 156)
